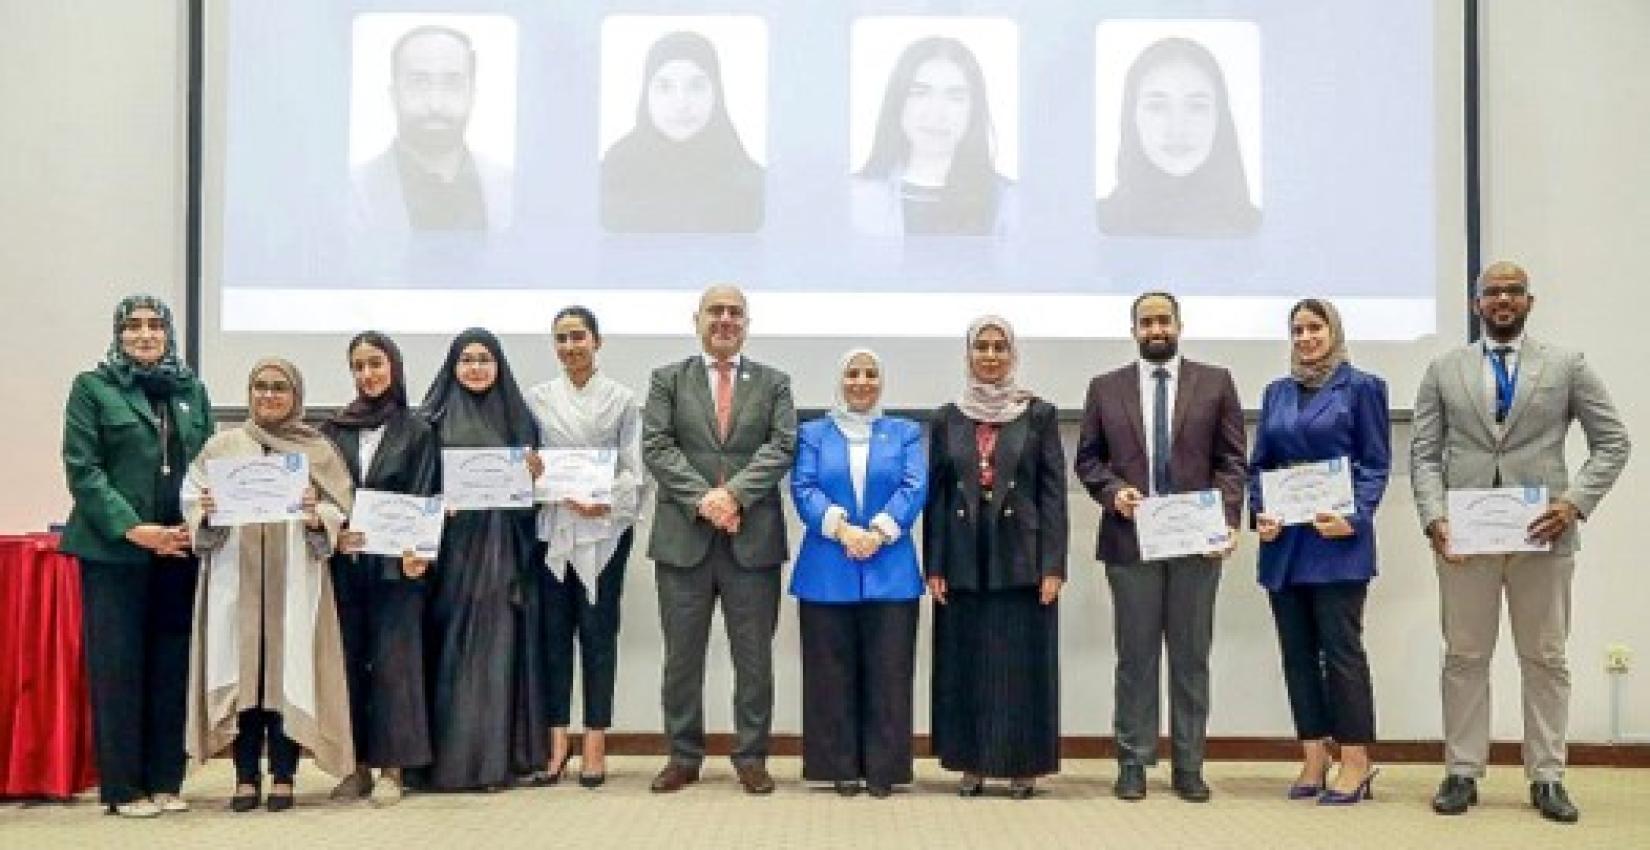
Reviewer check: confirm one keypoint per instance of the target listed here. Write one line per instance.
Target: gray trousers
(1537, 589)
(750, 613)
(1156, 604)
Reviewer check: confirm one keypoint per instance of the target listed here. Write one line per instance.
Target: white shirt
(1489, 345)
(368, 441)
(859, 459)
(1148, 398)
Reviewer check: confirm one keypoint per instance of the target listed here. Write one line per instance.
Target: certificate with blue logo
(395, 523)
(1494, 521)
(259, 488)
(484, 479)
(582, 474)
(1181, 524)
(1297, 494)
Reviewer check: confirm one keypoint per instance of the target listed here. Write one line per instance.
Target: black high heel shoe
(551, 777)
(247, 802)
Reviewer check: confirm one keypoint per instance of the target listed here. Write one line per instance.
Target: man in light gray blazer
(718, 434)
(1496, 414)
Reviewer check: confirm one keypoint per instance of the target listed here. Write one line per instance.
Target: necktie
(1160, 433)
(1505, 382)
(724, 398)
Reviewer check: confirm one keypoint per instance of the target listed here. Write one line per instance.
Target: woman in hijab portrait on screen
(682, 168)
(932, 164)
(1179, 166)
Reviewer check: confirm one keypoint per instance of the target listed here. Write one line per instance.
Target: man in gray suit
(718, 434)
(1496, 413)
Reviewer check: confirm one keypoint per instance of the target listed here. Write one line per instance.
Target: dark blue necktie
(1160, 433)
(1505, 382)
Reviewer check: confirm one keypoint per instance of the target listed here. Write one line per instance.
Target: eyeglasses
(1511, 290)
(478, 360)
(271, 387)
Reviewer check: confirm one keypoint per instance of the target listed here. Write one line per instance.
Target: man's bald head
(1503, 271)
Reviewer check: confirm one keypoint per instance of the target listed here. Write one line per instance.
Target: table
(46, 747)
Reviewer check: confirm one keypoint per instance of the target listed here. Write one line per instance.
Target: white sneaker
(386, 792)
(171, 803)
(144, 808)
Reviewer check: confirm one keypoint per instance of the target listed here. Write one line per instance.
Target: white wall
(91, 207)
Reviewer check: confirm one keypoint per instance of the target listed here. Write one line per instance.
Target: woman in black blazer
(381, 599)
(994, 547)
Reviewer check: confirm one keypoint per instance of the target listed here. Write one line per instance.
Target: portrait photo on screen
(1178, 128)
(432, 125)
(683, 127)
(934, 120)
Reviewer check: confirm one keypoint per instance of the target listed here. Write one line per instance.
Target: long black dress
(488, 716)
(380, 610)
(996, 690)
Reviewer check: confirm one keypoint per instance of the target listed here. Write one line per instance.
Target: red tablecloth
(45, 716)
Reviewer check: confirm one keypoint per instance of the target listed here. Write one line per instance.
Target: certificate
(582, 474)
(1494, 521)
(395, 523)
(1181, 524)
(1297, 494)
(479, 479)
(259, 488)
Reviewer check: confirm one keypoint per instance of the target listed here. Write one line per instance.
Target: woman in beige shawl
(266, 660)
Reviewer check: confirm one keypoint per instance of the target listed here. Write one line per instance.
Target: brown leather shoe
(755, 778)
(674, 777)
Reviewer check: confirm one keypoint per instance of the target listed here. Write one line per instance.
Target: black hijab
(704, 184)
(497, 416)
(1211, 201)
(365, 412)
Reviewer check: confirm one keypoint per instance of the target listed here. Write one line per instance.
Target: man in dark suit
(1160, 426)
(718, 434)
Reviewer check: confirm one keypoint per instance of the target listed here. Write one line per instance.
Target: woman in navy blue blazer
(1317, 573)
(859, 483)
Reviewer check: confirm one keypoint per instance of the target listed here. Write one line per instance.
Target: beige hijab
(1316, 373)
(326, 467)
(999, 402)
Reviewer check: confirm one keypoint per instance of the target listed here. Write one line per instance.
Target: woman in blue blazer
(859, 483)
(1317, 574)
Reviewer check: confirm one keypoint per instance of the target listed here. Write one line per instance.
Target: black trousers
(137, 620)
(382, 625)
(570, 610)
(1320, 633)
(254, 727)
(857, 668)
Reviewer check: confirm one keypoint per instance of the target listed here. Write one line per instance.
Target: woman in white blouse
(586, 538)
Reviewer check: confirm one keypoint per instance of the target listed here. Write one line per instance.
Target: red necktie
(724, 398)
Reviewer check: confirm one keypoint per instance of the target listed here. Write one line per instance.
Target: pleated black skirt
(996, 690)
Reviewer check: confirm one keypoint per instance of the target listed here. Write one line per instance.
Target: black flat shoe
(847, 788)
(1189, 785)
(971, 786)
(246, 802)
(880, 792)
(1455, 795)
(1553, 803)
(592, 780)
(1131, 782)
(280, 802)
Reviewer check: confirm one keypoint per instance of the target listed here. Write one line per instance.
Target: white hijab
(856, 426)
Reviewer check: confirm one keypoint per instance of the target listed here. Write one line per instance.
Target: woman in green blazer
(132, 426)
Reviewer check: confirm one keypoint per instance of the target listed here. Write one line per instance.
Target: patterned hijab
(326, 467)
(856, 426)
(164, 376)
(1316, 373)
(1000, 402)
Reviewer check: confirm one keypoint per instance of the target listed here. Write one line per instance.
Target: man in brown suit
(1159, 426)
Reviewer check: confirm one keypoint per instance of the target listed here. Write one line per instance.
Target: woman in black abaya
(487, 712)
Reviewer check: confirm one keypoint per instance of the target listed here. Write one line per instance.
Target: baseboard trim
(1219, 749)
